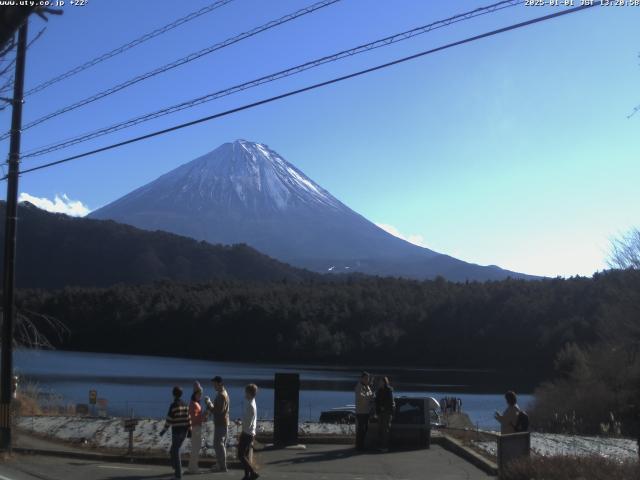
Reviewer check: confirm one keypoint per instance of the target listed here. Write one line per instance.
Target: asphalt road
(321, 462)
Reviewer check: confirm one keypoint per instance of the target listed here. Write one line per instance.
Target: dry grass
(26, 404)
(33, 401)
(571, 468)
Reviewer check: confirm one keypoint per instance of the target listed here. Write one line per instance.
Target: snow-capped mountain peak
(250, 174)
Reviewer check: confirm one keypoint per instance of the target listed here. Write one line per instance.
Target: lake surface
(141, 385)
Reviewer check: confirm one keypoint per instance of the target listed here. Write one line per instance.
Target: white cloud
(60, 204)
(414, 238)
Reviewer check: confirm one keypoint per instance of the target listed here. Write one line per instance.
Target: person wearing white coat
(364, 397)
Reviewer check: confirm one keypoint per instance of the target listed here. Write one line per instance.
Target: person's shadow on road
(312, 457)
(143, 477)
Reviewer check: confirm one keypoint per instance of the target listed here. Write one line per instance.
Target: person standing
(197, 416)
(385, 406)
(179, 422)
(509, 418)
(364, 396)
(220, 409)
(249, 422)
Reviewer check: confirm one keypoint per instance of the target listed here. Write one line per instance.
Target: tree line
(510, 324)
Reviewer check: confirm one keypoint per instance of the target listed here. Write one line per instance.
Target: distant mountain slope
(244, 192)
(56, 250)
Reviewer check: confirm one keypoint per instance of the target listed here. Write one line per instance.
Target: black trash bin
(285, 410)
(411, 427)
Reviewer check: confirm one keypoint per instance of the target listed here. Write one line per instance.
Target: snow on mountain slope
(244, 192)
(240, 175)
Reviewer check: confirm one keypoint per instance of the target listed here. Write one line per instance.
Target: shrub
(596, 392)
(26, 403)
(571, 468)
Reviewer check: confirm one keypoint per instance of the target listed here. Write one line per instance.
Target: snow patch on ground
(109, 432)
(547, 444)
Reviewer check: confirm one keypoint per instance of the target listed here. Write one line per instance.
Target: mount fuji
(244, 192)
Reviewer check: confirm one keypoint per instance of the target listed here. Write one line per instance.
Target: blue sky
(514, 150)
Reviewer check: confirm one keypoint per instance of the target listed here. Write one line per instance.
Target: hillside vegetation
(56, 250)
(511, 324)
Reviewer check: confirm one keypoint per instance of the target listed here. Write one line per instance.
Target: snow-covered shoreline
(550, 444)
(109, 433)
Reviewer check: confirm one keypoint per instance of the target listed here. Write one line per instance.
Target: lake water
(142, 385)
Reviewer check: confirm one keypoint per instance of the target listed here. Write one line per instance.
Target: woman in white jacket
(364, 397)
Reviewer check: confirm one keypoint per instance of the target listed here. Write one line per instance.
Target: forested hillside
(56, 250)
(511, 324)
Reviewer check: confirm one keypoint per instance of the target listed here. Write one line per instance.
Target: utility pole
(8, 286)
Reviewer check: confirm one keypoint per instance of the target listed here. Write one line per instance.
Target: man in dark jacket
(385, 406)
(178, 420)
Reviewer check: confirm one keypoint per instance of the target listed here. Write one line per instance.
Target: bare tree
(635, 110)
(7, 64)
(625, 254)
(625, 250)
(12, 17)
(34, 330)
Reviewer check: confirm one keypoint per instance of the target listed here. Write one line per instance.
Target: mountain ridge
(245, 192)
(98, 253)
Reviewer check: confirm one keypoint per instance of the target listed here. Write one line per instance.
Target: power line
(177, 63)
(273, 77)
(128, 46)
(316, 86)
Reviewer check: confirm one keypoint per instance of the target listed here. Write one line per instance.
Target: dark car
(346, 414)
